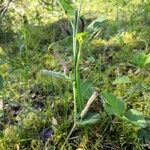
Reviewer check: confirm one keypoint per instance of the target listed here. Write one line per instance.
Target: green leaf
(140, 59)
(89, 120)
(147, 61)
(95, 25)
(147, 121)
(87, 89)
(122, 80)
(135, 117)
(109, 109)
(117, 106)
(67, 6)
(144, 135)
(1, 82)
(55, 74)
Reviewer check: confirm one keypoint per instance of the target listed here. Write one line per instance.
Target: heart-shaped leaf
(140, 59)
(116, 106)
(108, 109)
(135, 117)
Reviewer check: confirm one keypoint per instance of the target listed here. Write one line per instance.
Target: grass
(38, 110)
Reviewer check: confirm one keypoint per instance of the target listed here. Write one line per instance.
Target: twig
(62, 62)
(87, 106)
(59, 58)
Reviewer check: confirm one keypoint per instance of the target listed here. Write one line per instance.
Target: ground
(37, 111)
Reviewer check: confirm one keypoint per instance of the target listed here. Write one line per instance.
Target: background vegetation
(36, 111)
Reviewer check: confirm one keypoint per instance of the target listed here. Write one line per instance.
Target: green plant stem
(75, 102)
(77, 54)
(75, 31)
(78, 81)
(75, 93)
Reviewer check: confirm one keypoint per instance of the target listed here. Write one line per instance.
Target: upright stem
(76, 75)
(75, 31)
(75, 82)
(77, 49)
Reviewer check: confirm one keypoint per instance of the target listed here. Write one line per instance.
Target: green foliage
(95, 25)
(112, 104)
(144, 135)
(87, 89)
(122, 80)
(56, 74)
(92, 119)
(67, 6)
(135, 117)
(141, 59)
(26, 31)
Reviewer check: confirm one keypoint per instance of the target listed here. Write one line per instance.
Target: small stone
(46, 134)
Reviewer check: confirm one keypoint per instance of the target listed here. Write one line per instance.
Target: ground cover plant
(78, 82)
